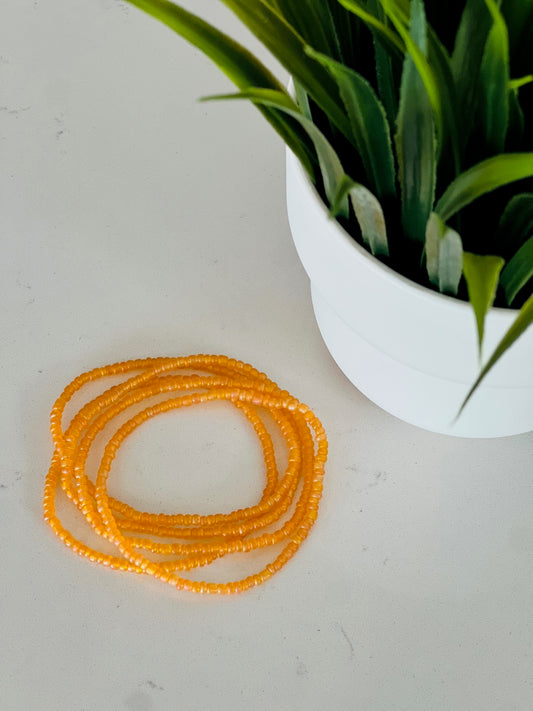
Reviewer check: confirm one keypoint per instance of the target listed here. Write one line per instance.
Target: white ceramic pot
(408, 349)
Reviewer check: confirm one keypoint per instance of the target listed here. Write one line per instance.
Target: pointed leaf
(495, 79)
(444, 255)
(416, 139)
(467, 56)
(368, 212)
(330, 165)
(481, 274)
(416, 42)
(521, 324)
(452, 119)
(434, 67)
(518, 272)
(483, 178)
(370, 129)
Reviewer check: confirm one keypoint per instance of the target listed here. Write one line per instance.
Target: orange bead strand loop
(283, 517)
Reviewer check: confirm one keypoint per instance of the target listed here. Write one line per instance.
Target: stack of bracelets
(194, 540)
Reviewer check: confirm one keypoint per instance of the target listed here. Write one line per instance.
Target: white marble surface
(135, 221)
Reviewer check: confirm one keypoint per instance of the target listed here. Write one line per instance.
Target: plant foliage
(413, 120)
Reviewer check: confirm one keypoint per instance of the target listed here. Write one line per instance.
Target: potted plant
(409, 131)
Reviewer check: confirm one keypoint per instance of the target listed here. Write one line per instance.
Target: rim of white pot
(376, 265)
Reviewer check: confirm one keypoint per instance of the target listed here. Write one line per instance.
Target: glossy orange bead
(198, 540)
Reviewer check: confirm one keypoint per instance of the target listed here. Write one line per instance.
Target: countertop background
(136, 221)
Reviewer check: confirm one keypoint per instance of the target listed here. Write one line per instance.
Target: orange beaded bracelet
(198, 539)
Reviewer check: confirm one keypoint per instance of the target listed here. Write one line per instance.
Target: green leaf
(481, 274)
(467, 57)
(368, 212)
(516, 224)
(483, 178)
(434, 66)
(370, 130)
(239, 65)
(330, 165)
(415, 139)
(518, 271)
(495, 80)
(516, 84)
(444, 255)
(280, 38)
(521, 324)
(415, 39)
(452, 120)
